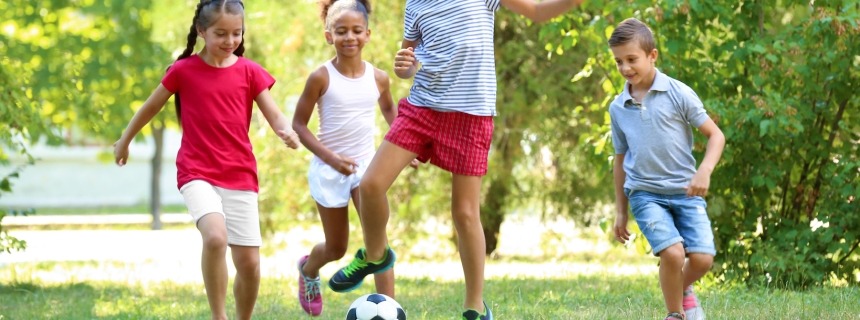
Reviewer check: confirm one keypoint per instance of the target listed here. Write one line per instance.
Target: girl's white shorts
(330, 188)
(238, 207)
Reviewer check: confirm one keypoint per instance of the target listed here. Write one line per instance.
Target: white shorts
(238, 207)
(330, 188)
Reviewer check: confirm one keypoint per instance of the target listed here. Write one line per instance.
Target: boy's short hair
(631, 29)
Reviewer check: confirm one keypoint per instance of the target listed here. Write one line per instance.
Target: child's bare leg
(247, 282)
(386, 165)
(465, 210)
(698, 264)
(384, 281)
(213, 262)
(335, 222)
(672, 276)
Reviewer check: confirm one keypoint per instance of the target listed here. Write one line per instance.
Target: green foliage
(78, 68)
(87, 62)
(777, 79)
(19, 124)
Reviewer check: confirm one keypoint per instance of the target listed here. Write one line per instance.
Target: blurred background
(779, 78)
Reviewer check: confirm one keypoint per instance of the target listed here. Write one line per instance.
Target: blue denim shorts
(668, 219)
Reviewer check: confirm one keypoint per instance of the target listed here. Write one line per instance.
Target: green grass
(595, 296)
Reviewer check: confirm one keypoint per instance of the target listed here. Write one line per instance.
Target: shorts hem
(328, 205)
(245, 242)
(196, 217)
(702, 250)
(471, 174)
(665, 244)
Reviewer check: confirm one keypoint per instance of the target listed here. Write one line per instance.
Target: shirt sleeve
(410, 23)
(260, 80)
(693, 109)
(493, 5)
(619, 140)
(170, 81)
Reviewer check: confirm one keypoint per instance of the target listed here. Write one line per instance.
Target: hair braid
(189, 48)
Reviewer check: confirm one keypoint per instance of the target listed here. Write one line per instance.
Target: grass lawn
(593, 296)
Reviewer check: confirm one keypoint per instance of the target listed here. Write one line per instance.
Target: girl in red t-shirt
(216, 168)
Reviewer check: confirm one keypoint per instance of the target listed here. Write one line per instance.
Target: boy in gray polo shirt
(655, 170)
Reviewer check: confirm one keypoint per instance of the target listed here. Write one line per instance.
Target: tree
(91, 65)
(20, 123)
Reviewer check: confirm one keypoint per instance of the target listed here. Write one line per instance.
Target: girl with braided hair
(347, 90)
(216, 168)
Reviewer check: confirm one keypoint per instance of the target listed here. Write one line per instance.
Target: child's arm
(405, 64)
(276, 119)
(315, 87)
(540, 11)
(621, 232)
(716, 141)
(146, 112)
(386, 103)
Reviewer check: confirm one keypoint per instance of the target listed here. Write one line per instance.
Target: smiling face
(635, 64)
(348, 33)
(224, 35)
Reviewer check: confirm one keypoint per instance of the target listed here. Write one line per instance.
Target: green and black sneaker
(350, 277)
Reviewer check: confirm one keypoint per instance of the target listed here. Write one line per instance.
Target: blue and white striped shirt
(455, 49)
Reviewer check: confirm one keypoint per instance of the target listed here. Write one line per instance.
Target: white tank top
(347, 113)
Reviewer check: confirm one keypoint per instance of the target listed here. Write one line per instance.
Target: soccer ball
(375, 306)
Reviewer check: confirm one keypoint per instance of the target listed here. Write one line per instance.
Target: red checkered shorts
(454, 141)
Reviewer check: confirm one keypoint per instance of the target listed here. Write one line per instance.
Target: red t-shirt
(216, 118)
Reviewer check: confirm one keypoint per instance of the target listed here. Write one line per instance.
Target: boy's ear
(653, 55)
(328, 37)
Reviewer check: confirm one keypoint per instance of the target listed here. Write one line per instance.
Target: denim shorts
(668, 219)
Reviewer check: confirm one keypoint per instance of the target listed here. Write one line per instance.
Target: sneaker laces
(312, 288)
(355, 265)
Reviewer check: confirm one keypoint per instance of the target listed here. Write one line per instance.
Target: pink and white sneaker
(310, 296)
(691, 305)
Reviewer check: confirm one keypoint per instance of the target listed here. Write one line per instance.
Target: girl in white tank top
(347, 90)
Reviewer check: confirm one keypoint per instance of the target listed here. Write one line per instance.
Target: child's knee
(335, 251)
(371, 185)
(701, 261)
(215, 241)
(674, 254)
(247, 264)
(464, 218)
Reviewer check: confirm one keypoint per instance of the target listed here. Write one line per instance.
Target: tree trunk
(155, 178)
(501, 184)
(493, 212)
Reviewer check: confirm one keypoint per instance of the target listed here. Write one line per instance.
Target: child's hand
(120, 153)
(699, 185)
(404, 60)
(291, 139)
(621, 232)
(343, 164)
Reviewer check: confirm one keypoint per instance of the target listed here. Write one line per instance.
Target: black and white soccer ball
(375, 306)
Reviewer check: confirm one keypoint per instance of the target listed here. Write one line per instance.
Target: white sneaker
(696, 313)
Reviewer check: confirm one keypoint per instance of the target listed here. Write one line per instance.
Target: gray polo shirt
(655, 136)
